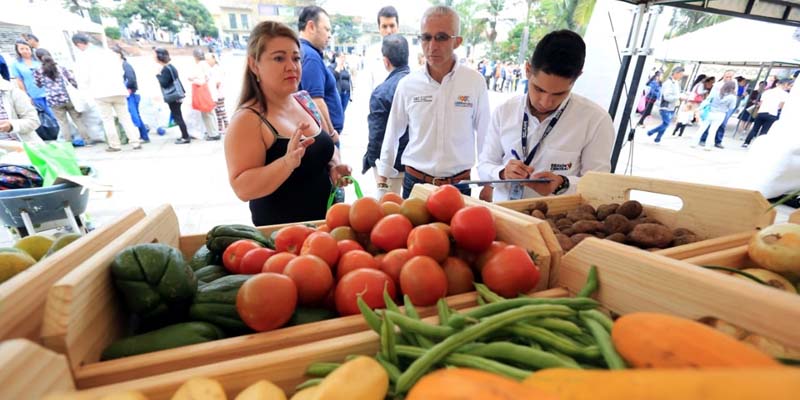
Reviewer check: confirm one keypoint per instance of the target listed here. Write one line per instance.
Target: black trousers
(761, 126)
(177, 116)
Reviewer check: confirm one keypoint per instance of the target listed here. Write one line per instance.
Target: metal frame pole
(627, 55)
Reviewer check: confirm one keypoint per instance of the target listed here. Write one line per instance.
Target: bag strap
(332, 197)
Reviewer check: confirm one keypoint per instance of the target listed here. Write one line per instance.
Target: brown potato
(587, 226)
(616, 223)
(565, 242)
(684, 239)
(631, 209)
(616, 237)
(539, 205)
(568, 231)
(605, 210)
(564, 223)
(600, 235)
(558, 216)
(682, 231)
(581, 215)
(538, 214)
(578, 237)
(651, 235)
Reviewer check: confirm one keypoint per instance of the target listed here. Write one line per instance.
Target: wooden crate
(723, 217)
(30, 371)
(795, 217)
(23, 296)
(84, 316)
(630, 279)
(531, 233)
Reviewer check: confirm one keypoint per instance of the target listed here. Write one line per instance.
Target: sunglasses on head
(439, 37)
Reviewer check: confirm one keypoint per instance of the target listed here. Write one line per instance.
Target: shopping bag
(48, 128)
(332, 197)
(201, 98)
(77, 99)
(52, 160)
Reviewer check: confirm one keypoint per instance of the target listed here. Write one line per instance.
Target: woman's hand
(296, 148)
(338, 172)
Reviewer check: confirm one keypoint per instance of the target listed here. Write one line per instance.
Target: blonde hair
(256, 45)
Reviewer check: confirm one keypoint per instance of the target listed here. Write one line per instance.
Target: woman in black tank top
(279, 159)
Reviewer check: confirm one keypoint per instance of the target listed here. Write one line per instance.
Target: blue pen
(515, 154)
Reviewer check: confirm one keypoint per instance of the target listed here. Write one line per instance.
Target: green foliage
(345, 29)
(196, 14)
(112, 32)
(686, 21)
(161, 14)
(471, 28)
(93, 9)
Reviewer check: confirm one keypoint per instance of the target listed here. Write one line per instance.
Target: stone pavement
(193, 178)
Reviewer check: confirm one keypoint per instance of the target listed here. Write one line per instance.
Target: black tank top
(304, 195)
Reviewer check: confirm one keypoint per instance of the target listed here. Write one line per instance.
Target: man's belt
(436, 180)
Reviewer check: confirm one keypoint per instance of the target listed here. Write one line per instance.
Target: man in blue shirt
(315, 32)
(4, 69)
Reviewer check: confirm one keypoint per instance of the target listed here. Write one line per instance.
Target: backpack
(18, 177)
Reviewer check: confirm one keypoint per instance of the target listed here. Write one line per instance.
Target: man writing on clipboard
(548, 133)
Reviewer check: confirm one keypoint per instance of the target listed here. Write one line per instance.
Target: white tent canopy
(738, 40)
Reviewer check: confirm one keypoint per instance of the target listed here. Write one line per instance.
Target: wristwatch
(563, 186)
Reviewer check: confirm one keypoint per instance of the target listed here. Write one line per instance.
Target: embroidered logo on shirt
(422, 99)
(560, 167)
(463, 101)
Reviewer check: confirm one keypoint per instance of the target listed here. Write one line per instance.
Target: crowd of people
(430, 124)
(709, 104)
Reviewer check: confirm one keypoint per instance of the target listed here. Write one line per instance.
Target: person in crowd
(653, 94)
(444, 106)
(167, 78)
(388, 24)
(488, 72)
(549, 132)
(4, 69)
(32, 41)
(343, 80)
(395, 54)
(688, 109)
(751, 106)
(720, 103)
(200, 75)
(129, 76)
(771, 103)
(100, 74)
(18, 117)
(315, 33)
(279, 157)
(216, 77)
(670, 97)
(720, 133)
(54, 78)
(22, 70)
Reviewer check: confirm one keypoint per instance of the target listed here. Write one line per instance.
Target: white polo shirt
(771, 101)
(581, 141)
(445, 122)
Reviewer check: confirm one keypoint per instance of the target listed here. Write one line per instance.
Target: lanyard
(550, 126)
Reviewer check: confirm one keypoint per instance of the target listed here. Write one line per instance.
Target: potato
(568, 231)
(558, 216)
(685, 239)
(651, 236)
(600, 235)
(262, 390)
(564, 223)
(360, 378)
(538, 214)
(539, 205)
(616, 237)
(605, 210)
(552, 225)
(617, 223)
(681, 232)
(565, 242)
(631, 209)
(578, 237)
(587, 226)
(200, 389)
(581, 215)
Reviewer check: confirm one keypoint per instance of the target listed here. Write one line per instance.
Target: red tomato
(392, 197)
(322, 245)
(354, 260)
(367, 283)
(266, 301)
(393, 263)
(473, 228)
(348, 245)
(428, 240)
(291, 238)
(338, 215)
(253, 261)
(364, 214)
(391, 232)
(277, 263)
(459, 276)
(444, 202)
(233, 255)
(423, 280)
(487, 254)
(312, 276)
(324, 228)
(510, 271)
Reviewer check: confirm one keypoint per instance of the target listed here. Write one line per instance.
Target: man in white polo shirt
(549, 132)
(445, 107)
(770, 103)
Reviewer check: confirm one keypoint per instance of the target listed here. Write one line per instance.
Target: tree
(86, 7)
(345, 29)
(196, 14)
(156, 14)
(567, 14)
(493, 8)
(471, 28)
(686, 21)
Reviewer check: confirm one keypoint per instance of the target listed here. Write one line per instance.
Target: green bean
(481, 301)
(321, 369)
(444, 311)
(565, 358)
(494, 308)
(442, 349)
(463, 360)
(372, 319)
(411, 312)
(584, 339)
(390, 304)
(591, 283)
(459, 321)
(488, 294)
(391, 369)
(420, 327)
(309, 383)
(547, 338)
(388, 340)
(603, 319)
(522, 355)
(557, 325)
(610, 355)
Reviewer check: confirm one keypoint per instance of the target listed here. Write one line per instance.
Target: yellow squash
(200, 389)
(361, 378)
(262, 390)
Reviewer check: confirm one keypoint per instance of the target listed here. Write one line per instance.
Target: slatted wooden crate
(23, 297)
(723, 217)
(30, 371)
(84, 316)
(795, 217)
(631, 280)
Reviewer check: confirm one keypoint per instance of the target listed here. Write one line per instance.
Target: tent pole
(633, 37)
(642, 52)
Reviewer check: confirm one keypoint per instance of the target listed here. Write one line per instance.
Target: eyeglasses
(439, 37)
